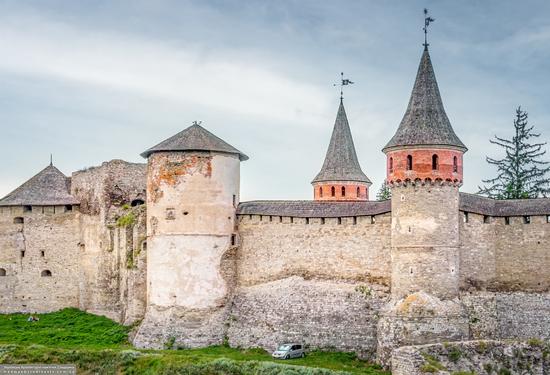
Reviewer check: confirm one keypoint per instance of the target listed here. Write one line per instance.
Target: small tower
(341, 177)
(192, 196)
(424, 170)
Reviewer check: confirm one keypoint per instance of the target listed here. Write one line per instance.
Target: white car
(287, 351)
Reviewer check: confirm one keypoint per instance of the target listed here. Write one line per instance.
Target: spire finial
(427, 21)
(197, 122)
(343, 82)
(51, 159)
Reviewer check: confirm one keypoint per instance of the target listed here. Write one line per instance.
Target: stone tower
(192, 196)
(424, 170)
(341, 177)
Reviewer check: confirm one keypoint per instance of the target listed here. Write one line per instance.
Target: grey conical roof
(195, 138)
(341, 162)
(50, 187)
(425, 122)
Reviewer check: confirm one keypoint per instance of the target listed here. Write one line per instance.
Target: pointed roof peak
(425, 122)
(341, 163)
(49, 187)
(195, 138)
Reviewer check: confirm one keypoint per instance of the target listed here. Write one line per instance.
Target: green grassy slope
(99, 345)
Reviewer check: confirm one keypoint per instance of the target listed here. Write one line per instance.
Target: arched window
(46, 273)
(137, 202)
(2, 272)
(343, 191)
(455, 164)
(435, 162)
(321, 192)
(333, 191)
(391, 165)
(358, 192)
(18, 220)
(409, 162)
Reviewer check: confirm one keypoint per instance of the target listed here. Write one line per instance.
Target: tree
(521, 173)
(384, 193)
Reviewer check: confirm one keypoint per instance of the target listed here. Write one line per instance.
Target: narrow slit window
(507, 220)
(322, 220)
(355, 220)
(307, 220)
(527, 220)
(343, 191)
(22, 253)
(486, 219)
(339, 221)
(42, 253)
(465, 217)
(321, 192)
(373, 219)
(333, 191)
(409, 162)
(548, 218)
(291, 220)
(455, 164)
(358, 192)
(435, 162)
(233, 240)
(391, 165)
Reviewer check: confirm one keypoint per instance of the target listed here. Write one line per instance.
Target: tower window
(409, 162)
(322, 220)
(355, 220)
(42, 253)
(2, 272)
(373, 219)
(68, 207)
(455, 164)
(27, 208)
(507, 220)
(435, 162)
(465, 217)
(234, 200)
(486, 219)
(233, 240)
(391, 165)
(22, 253)
(18, 220)
(307, 220)
(358, 192)
(339, 221)
(333, 191)
(548, 218)
(343, 191)
(527, 220)
(321, 192)
(46, 273)
(137, 202)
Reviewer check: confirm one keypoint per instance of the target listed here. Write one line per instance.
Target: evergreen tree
(384, 193)
(521, 173)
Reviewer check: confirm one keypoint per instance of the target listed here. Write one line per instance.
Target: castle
(169, 245)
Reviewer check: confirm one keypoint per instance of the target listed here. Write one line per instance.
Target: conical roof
(50, 187)
(425, 122)
(341, 162)
(195, 138)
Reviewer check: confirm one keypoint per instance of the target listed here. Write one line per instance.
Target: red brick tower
(341, 177)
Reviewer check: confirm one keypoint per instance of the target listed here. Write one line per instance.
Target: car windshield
(284, 347)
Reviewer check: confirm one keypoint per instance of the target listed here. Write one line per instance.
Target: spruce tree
(521, 173)
(384, 193)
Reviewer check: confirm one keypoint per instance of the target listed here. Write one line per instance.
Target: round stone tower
(341, 177)
(192, 196)
(424, 170)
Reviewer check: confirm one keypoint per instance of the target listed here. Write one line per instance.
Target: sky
(91, 81)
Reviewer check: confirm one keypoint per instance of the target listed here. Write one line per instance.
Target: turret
(341, 177)
(192, 195)
(424, 170)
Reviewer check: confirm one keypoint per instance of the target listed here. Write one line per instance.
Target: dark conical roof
(49, 187)
(195, 138)
(425, 121)
(341, 162)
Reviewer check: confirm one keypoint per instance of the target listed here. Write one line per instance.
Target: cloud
(223, 80)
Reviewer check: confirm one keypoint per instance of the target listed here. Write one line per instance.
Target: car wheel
(286, 356)
(303, 355)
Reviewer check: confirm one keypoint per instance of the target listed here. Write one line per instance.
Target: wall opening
(465, 217)
(527, 220)
(507, 220)
(291, 220)
(233, 240)
(280, 219)
(270, 218)
(234, 200)
(307, 220)
(18, 220)
(409, 162)
(27, 208)
(137, 202)
(435, 162)
(2, 272)
(373, 219)
(68, 207)
(339, 221)
(486, 219)
(355, 220)
(321, 192)
(22, 253)
(343, 191)
(46, 273)
(333, 191)
(42, 253)
(548, 218)
(455, 164)
(144, 246)
(322, 220)
(391, 165)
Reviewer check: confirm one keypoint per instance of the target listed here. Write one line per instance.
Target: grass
(98, 345)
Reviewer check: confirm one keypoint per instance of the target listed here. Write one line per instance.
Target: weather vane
(197, 122)
(343, 82)
(427, 21)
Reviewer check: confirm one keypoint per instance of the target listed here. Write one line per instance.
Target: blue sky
(91, 81)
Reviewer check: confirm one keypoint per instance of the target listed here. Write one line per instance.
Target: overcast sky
(91, 81)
